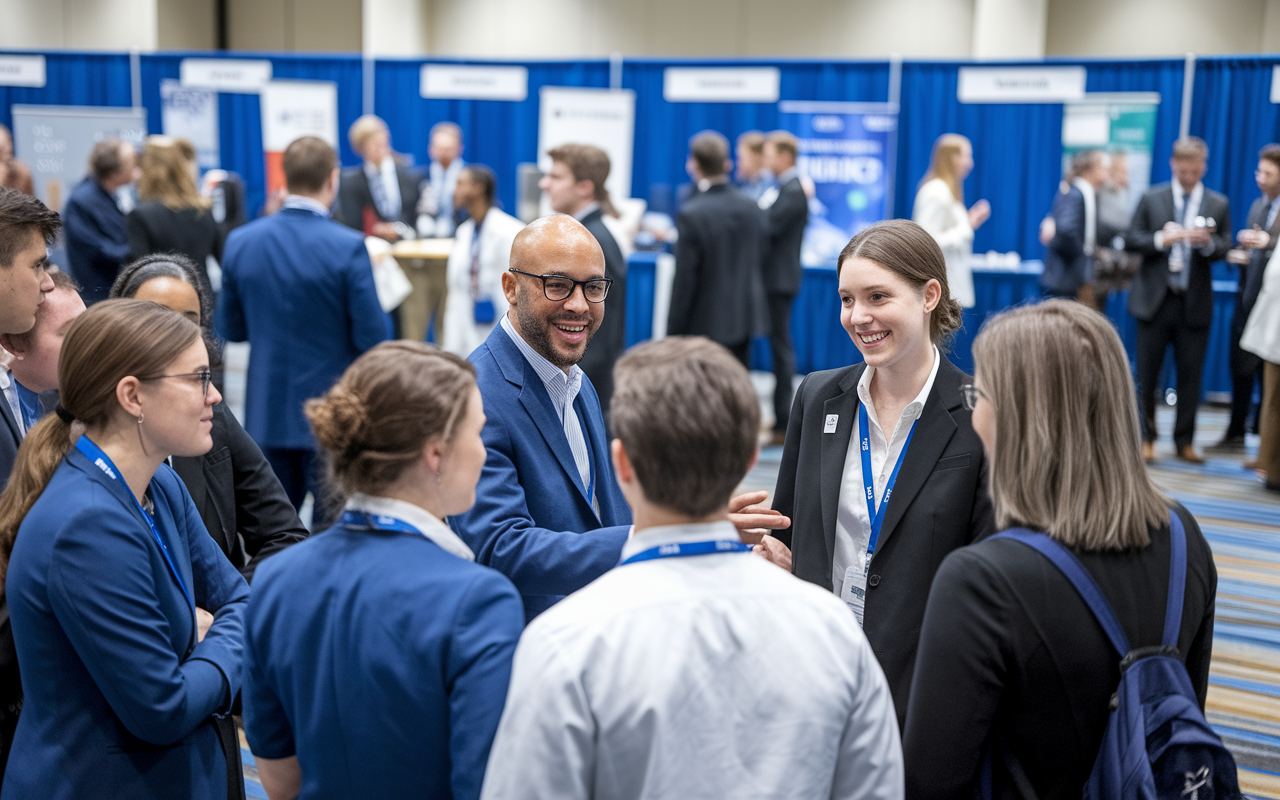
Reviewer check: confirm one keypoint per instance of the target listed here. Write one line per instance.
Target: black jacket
(155, 228)
(239, 498)
(1251, 273)
(1008, 644)
(1151, 284)
(10, 680)
(611, 339)
(718, 291)
(940, 503)
(786, 218)
(354, 197)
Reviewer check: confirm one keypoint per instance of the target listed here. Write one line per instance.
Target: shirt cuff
(1159, 240)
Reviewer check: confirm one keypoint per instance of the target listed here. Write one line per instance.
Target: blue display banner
(848, 151)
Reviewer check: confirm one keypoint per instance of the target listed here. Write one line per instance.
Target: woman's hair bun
(338, 418)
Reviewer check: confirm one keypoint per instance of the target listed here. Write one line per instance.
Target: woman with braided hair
(377, 654)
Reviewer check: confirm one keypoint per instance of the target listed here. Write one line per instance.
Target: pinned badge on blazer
(830, 427)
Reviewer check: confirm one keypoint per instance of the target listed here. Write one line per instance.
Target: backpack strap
(1177, 580)
(1070, 566)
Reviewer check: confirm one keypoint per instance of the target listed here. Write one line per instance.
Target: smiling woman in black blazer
(896, 306)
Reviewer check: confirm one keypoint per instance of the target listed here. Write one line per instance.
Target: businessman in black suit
(718, 291)
(786, 214)
(575, 186)
(1254, 246)
(1075, 224)
(379, 197)
(1180, 228)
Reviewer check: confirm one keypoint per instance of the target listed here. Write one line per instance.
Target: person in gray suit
(1180, 228)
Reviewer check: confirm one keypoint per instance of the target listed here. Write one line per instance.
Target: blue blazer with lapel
(97, 239)
(118, 692)
(1065, 264)
(533, 520)
(299, 287)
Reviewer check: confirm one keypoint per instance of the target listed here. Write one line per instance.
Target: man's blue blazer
(299, 287)
(533, 520)
(118, 692)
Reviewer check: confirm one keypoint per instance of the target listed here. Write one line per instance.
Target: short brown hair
(587, 163)
(1270, 153)
(785, 142)
(106, 158)
(375, 420)
(709, 150)
(685, 410)
(753, 141)
(1066, 458)
(308, 163)
(1191, 147)
(20, 216)
(903, 247)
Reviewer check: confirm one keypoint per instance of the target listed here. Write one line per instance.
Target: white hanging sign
(1275, 84)
(225, 74)
(22, 71)
(605, 118)
(1020, 84)
(469, 82)
(721, 84)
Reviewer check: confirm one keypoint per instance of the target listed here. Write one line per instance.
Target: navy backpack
(1157, 744)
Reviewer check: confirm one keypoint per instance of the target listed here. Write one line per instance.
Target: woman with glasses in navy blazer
(126, 616)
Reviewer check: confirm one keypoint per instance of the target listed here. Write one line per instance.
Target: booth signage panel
(22, 71)
(1020, 84)
(448, 81)
(225, 74)
(1122, 124)
(56, 141)
(1275, 84)
(291, 110)
(605, 118)
(192, 114)
(721, 84)
(847, 150)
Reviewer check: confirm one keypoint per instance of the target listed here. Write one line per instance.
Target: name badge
(830, 426)
(854, 592)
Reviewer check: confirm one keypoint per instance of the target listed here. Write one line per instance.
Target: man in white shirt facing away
(694, 669)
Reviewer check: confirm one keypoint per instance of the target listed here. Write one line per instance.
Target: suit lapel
(835, 449)
(7, 412)
(933, 434)
(536, 401)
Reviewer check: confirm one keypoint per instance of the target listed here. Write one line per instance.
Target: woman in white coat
(475, 301)
(1262, 338)
(939, 209)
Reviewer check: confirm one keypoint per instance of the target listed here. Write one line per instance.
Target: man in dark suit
(378, 194)
(1075, 223)
(575, 186)
(1254, 246)
(786, 214)
(97, 239)
(718, 291)
(1180, 228)
(299, 288)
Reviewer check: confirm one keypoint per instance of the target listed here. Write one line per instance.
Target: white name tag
(830, 426)
(854, 592)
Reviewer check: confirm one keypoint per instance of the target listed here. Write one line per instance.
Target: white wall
(301, 25)
(395, 27)
(78, 24)
(1159, 27)
(1009, 28)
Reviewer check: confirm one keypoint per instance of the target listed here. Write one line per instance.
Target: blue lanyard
(104, 462)
(363, 520)
(677, 550)
(876, 515)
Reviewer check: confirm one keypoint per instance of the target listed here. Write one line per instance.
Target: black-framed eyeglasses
(969, 395)
(560, 287)
(204, 376)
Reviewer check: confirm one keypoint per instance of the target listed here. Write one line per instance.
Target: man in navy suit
(1068, 256)
(548, 511)
(97, 243)
(299, 288)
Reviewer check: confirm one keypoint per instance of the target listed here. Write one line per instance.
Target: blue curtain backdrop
(74, 79)
(497, 133)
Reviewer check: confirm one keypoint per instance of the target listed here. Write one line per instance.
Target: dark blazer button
(874, 580)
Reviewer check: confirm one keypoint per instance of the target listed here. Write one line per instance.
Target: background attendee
(786, 212)
(1114, 208)
(97, 239)
(299, 288)
(1255, 245)
(1009, 651)
(481, 254)
(435, 205)
(1075, 223)
(752, 176)
(576, 186)
(939, 209)
(127, 618)
(894, 426)
(14, 174)
(1172, 295)
(32, 381)
(379, 193)
(1261, 338)
(172, 216)
(693, 669)
(428, 635)
(242, 503)
(718, 290)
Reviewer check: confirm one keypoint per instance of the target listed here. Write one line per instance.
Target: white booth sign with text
(721, 84)
(22, 71)
(1020, 84)
(465, 82)
(293, 109)
(605, 118)
(225, 74)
